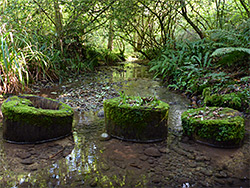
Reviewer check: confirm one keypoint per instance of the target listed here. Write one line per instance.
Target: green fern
(224, 51)
(232, 56)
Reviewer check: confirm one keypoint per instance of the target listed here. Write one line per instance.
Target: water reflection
(80, 161)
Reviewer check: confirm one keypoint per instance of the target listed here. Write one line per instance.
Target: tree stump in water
(136, 119)
(34, 119)
(214, 126)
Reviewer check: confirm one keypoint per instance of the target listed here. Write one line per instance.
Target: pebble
(192, 165)
(100, 113)
(221, 174)
(143, 158)
(150, 161)
(152, 152)
(207, 172)
(27, 161)
(156, 180)
(93, 183)
(120, 164)
(164, 150)
(105, 167)
(104, 137)
(23, 155)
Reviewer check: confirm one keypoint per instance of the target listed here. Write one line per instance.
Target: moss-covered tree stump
(215, 126)
(136, 118)
(34, 119)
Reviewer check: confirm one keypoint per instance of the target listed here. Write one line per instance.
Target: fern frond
(225, 51)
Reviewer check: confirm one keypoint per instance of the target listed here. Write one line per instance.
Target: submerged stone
(152, 152)
(133, 121)
(34, 119)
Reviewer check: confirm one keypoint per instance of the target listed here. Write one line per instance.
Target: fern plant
(232, 55)
(224, 51)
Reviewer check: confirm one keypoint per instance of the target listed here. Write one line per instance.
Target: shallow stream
(86, 160)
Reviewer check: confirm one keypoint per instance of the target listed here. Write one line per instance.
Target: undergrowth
(219, 62)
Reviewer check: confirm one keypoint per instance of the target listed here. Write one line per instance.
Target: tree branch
(245, 7)
(184, 14)
(44, 12)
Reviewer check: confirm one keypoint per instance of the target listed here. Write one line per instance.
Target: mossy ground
(213, 123)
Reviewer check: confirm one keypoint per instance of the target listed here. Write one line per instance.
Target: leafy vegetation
(150, 101)
(193, 66)
(191, 47)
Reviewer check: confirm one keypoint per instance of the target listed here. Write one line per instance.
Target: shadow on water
(85, 160)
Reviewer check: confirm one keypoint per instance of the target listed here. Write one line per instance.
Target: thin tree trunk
(193, 25)
(245, 7)
(58, 24)
(111, 36)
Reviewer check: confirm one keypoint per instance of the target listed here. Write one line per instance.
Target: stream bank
(84, 160)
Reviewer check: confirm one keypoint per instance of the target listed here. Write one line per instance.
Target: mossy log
(136, 123)
(214, 126)
(34, 119)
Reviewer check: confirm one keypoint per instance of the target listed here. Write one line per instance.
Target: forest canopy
(45, 39)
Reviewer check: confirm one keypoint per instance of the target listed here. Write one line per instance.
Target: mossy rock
(215, 126)
(231, 100)
(134, 122)
(34, 119)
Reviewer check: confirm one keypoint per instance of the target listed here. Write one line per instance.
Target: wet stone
(23, 155)
(156, 179)
(104, 137)
(100, 113)
(192, 165)
(220, 181)
(32, 167)
(43, 156)
(206, 172)
(135, 165)
(201, 159)
(164, 150)
(221, 174)
(105, 167)
(143, 158)
(152, 152)
(120, 164)
(93, 183)
(150, 161)
(27, 161)
(182, 152)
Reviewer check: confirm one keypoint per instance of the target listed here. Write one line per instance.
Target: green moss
(219, 124)
(136, 115)
(231, 100)
(20, 109)
(134, 118)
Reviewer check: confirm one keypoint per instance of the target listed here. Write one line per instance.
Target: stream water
(86, 160)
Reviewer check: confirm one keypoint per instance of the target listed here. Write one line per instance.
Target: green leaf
(224, 51)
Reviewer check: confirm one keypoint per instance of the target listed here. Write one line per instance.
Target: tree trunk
(193, 25)
(58, 24)
(245, 7)
(111, 36)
